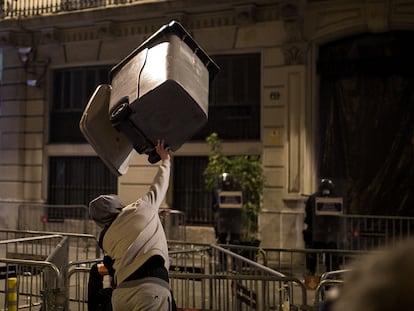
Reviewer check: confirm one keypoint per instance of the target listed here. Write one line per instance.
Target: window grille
(77, 180)
(189, 194)
(234, 104)
(72, 88)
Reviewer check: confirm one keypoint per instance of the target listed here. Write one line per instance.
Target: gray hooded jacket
(135, 233)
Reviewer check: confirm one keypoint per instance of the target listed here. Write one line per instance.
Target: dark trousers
(234, 238)
(331, 259)
(99, 298)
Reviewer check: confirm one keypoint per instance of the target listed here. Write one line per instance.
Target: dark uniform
(320, 231)
(228, 224)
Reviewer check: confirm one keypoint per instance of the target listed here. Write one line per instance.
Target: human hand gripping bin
(159, 91)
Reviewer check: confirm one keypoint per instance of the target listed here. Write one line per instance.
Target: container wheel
(153, 157)
(121, 111)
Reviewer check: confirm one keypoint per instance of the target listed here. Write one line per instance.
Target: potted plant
(248, 171)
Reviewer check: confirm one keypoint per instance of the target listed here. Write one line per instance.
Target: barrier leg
(12, 294)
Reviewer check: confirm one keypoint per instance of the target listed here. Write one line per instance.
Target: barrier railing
(355, 232)
(370, 232)
(77, 283)
(37, 264)
(209, 277)
(82, 246)
(203, 276)
(55, 218)
(32, 270)
(27, 8)
(291, 261)
(328, 280)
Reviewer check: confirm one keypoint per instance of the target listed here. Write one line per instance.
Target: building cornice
(135, 20)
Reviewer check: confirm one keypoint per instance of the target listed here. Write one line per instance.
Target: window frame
(101, 76)
(237, 116)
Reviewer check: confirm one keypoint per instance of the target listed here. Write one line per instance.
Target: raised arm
(159, 186)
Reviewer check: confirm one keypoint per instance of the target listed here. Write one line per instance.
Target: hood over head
(105, 208)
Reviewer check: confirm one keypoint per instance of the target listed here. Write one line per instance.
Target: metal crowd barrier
(328, 281)
(74, 220)
(371, 232)
(77, 283)
(55, 218)
(81, 246)
(34, 267)
(209, 277)
(32, 272)
(230, 281)
(291, 261)
(212, 277)
(48, 271)
(203, 276)
(174, 224)
(356, 232)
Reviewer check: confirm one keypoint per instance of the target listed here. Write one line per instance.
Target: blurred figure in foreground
(380, 282)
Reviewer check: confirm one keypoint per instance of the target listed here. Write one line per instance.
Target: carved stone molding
(180, 16)
(331, 19)
(98, 24)
(50, 35)
(245, 14)
(106, 29)
(294, 50)
(295, 54)
(289, 10)
(293, 22)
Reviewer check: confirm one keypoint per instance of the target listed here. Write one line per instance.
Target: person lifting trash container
(168, 72)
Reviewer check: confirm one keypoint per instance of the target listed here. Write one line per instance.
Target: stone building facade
(286, 33)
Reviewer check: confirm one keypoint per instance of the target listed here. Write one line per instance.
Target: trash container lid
(112, 146)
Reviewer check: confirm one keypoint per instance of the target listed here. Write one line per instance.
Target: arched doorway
(366, 121)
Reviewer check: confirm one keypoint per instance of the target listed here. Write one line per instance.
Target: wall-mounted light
(26, 54)
(33, 83)
(38, 75)
(35, 69)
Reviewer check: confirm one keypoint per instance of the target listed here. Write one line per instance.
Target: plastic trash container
(159, 91)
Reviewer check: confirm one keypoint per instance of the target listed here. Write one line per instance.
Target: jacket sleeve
(159, 186)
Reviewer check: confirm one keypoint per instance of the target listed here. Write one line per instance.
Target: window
(234, 113)
(72, 89)
(234, 103)
(77, 180)
(189, 193)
